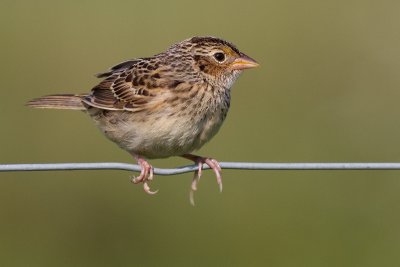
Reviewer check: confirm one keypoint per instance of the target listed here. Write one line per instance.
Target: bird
(166, 105)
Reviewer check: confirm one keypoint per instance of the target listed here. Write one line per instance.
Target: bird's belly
(162, 137)
(166, 138)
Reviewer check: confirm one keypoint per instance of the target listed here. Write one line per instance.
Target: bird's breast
(175, 125)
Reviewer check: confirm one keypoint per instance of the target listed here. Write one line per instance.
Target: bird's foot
(212, 163)
(146, 175)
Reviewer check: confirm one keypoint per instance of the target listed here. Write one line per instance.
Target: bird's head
(213, 59)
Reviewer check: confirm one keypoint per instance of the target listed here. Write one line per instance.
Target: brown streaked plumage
(166, 105)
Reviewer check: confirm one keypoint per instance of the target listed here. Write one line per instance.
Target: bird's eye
(220, 57)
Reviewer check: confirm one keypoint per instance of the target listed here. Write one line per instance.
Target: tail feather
(64, 101)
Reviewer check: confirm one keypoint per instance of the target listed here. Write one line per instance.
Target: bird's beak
(244, 62)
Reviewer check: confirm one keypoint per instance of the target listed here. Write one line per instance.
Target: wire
(190, 168)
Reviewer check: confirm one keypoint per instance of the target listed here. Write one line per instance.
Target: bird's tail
(64, 101)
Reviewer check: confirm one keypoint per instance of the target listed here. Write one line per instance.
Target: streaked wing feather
(123, 65)
(117, 92)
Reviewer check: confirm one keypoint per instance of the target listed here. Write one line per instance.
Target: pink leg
(146, 174)
(212, 163)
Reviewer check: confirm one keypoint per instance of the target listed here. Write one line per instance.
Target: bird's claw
(147, 189)
(146, 175)
(212, 163)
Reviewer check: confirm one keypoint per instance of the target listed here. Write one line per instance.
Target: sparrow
(166, 105)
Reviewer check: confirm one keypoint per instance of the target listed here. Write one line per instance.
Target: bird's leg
(146, 174)
(212, 163)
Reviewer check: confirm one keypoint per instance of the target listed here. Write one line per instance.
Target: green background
(328, 90)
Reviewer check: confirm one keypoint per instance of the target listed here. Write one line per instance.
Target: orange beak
(244, 62)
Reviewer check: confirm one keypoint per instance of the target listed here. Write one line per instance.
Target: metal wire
(190, 168)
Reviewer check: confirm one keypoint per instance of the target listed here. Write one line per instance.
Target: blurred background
(328, 90)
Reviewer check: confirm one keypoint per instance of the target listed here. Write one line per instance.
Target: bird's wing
(121, 66)
(127, 86)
